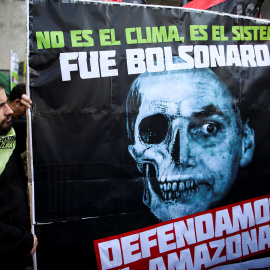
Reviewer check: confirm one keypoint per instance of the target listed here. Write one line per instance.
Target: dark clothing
(19, 126)
(16, 240)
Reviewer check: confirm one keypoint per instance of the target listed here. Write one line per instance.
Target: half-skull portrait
(188, 139)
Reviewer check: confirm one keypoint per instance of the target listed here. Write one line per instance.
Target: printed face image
(188, 141)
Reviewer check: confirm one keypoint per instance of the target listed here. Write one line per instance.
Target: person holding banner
(15, 102)
(188, 138)
(16, 239)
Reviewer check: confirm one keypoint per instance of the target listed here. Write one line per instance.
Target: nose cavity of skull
(176, 156)
(180, 151)
(176, 149)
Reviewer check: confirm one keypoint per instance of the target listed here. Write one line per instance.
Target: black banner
(144, 115)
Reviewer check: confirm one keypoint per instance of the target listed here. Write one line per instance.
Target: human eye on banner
(150, 137)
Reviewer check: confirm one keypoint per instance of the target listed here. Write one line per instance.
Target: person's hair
(17, 92)
(2, 86)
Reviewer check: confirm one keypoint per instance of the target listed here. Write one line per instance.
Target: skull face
(187, 141)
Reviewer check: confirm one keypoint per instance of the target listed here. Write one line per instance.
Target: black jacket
(19, 126)
(16, 240)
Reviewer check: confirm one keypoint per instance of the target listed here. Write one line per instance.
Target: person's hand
(26, 101)
(33, 250)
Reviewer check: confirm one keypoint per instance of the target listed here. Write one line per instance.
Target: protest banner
(150, 137)
(250, 8)
(14, 69)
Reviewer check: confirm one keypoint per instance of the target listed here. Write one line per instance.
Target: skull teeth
(170, 189)
(181, 186)
(174, 186)
(177, 189)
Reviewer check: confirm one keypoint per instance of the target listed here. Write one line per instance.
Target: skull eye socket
(153, 129)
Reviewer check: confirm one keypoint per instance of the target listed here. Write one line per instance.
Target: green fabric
(7, 145)
(5, 80)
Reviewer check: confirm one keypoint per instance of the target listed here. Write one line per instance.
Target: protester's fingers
(26, 101)
(34, 245)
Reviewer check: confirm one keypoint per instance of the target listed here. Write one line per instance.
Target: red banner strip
(200, 241)
(203, 4)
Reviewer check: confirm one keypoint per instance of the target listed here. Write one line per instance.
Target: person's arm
(16, 239)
